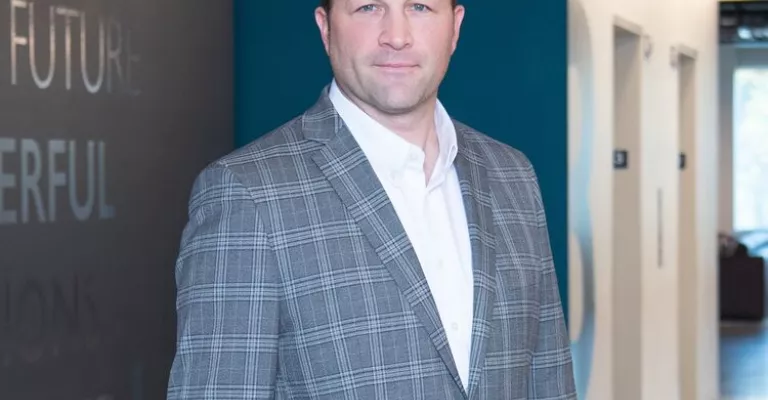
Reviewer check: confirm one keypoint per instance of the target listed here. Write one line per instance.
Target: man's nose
(397, 31)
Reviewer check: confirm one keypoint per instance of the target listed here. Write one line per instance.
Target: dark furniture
(742, 282)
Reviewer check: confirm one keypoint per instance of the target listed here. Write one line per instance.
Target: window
(750, 149)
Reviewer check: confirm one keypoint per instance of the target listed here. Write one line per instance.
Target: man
(371, 248)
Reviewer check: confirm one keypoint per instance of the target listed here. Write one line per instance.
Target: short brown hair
(326, 4)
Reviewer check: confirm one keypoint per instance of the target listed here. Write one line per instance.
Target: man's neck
(418, 128)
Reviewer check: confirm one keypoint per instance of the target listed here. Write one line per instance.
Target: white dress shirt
(432, 214)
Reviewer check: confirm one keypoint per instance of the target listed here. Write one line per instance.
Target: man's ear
(322, 18)
(458, 18)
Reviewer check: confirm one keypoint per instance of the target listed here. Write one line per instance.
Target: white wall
(667, 23)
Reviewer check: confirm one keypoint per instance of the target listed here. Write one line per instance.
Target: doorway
(688, 276)
(627, 354)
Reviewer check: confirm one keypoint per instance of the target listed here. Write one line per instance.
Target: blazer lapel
(350, 174)
(473, 179)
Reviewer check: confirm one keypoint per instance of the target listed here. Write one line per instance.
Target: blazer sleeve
(227, 296)
(552, 366)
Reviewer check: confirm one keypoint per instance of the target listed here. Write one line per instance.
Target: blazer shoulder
(261, 160)
(510, 172)
(498, 156)
(285, 140)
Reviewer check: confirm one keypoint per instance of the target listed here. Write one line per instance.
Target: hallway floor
(744, 361)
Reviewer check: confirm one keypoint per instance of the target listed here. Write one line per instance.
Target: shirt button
(440, 264)
(414, 155)
(455, 326)
(397, 176)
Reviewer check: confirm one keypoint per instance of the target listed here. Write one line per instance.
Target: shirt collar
(385, 149)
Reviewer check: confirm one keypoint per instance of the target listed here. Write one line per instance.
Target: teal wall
(508, 79)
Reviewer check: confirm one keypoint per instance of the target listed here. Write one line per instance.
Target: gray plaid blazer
(296, 280)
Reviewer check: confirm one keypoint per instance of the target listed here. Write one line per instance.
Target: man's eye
(368, 8)
(420, 7)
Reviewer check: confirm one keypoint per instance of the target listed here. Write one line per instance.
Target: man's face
(390, 54)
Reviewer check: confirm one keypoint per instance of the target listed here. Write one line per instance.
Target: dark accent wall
(508, 79)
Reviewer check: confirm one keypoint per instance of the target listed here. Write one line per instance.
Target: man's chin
(399, 104)
(398, 108)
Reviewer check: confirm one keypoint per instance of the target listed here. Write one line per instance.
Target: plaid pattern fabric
(296, 279)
